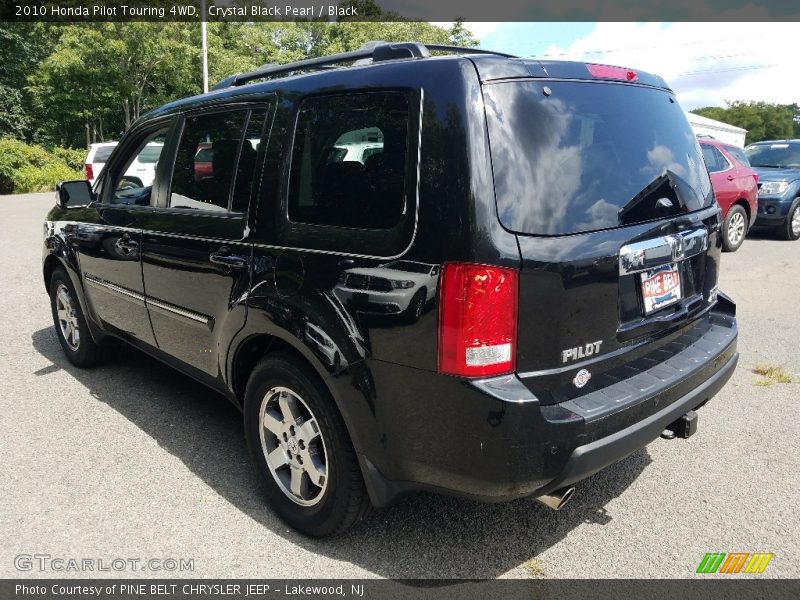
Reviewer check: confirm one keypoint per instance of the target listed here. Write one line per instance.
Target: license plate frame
(661, 287)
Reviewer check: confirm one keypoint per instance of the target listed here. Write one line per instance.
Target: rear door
(195, 254)
(605, 186)
(725, 178)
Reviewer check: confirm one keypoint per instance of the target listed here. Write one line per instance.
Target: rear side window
(349, 161)
(738, 154)
(216, 161)
(150, 154)
(102, 153)
(571, 157)
(715, 161)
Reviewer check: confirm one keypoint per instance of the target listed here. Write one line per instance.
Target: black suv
(463, 272)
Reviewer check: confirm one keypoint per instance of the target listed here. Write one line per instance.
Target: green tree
(101, 77)
(22, 46)
(763, 121)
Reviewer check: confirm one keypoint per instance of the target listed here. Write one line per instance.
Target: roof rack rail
(376, 51)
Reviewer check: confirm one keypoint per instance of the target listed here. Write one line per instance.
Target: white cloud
(705, 63)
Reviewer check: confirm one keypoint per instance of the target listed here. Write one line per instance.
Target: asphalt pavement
(134, 461)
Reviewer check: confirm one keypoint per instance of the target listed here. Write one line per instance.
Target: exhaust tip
(557, 499)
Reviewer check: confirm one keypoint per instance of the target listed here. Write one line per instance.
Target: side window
(134, 181)
(739, 155)
(349, 161)
(214, 164)
(715, 161)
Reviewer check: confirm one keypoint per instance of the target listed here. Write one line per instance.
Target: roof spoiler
(374, 51)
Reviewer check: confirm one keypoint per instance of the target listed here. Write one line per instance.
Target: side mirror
(70, 194)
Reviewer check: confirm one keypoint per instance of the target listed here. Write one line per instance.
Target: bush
(73, 158)
(31, 168)
(44, 179)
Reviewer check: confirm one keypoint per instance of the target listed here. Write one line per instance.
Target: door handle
(731, 178)
(345, 263)
(224, 257)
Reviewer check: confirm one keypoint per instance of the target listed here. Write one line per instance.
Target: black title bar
(399, 10)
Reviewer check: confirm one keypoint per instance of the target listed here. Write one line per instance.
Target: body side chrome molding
(172, 310)
(139, 298)
(107, 285)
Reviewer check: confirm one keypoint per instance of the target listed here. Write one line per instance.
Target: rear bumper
(591, 458)
(491, 440)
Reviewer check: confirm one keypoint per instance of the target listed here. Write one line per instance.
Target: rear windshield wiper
(667, 194)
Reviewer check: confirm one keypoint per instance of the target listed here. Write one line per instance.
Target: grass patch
(535, 569)
(770, 375)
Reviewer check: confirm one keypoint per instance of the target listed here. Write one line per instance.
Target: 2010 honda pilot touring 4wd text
(462, 272)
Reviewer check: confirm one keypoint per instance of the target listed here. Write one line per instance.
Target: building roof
(713, 124)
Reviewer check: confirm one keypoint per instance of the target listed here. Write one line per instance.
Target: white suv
(143, 166)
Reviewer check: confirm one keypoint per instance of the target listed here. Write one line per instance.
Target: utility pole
(203, 26)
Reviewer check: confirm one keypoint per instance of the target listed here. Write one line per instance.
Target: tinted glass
(331, 180)
(246, 167)
(150, 153)
(714, 159)
(207, 185)
(738, 154)
(778, 154)
(102, 153)
(590, 156)
(134, 184)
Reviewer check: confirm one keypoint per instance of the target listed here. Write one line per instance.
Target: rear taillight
(88, 169)
(477, 320)
(609, 72)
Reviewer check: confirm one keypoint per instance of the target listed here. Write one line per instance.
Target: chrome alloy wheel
(796, 221)
(736, 228)
(67, 317)
(293, 446)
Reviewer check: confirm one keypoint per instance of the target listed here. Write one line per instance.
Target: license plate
(661, 287)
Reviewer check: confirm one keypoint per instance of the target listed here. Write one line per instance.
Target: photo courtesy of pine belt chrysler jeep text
(412, 268)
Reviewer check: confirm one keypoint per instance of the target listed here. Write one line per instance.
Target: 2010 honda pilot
(514, 288)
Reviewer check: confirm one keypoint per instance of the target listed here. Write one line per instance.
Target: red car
(736, 188)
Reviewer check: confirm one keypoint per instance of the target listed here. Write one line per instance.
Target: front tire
(735, 229)
(790, 230)
(302, 450)
(70, 324)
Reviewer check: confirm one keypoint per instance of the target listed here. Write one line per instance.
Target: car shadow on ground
(762, 234)
(422, 536)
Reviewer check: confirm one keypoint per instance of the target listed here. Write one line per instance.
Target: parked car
(562, 209)
(96, 159)
(736, 188)
(142, 170)
(399, 287)
(777, 163)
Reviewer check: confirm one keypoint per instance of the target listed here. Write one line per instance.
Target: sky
(706, 64)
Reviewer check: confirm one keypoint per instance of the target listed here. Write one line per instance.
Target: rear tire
(735, 229)
(70, 324)
(312, 478)
(790, 229)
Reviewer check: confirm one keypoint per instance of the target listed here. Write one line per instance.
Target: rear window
(102, 153)
(571, 157)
